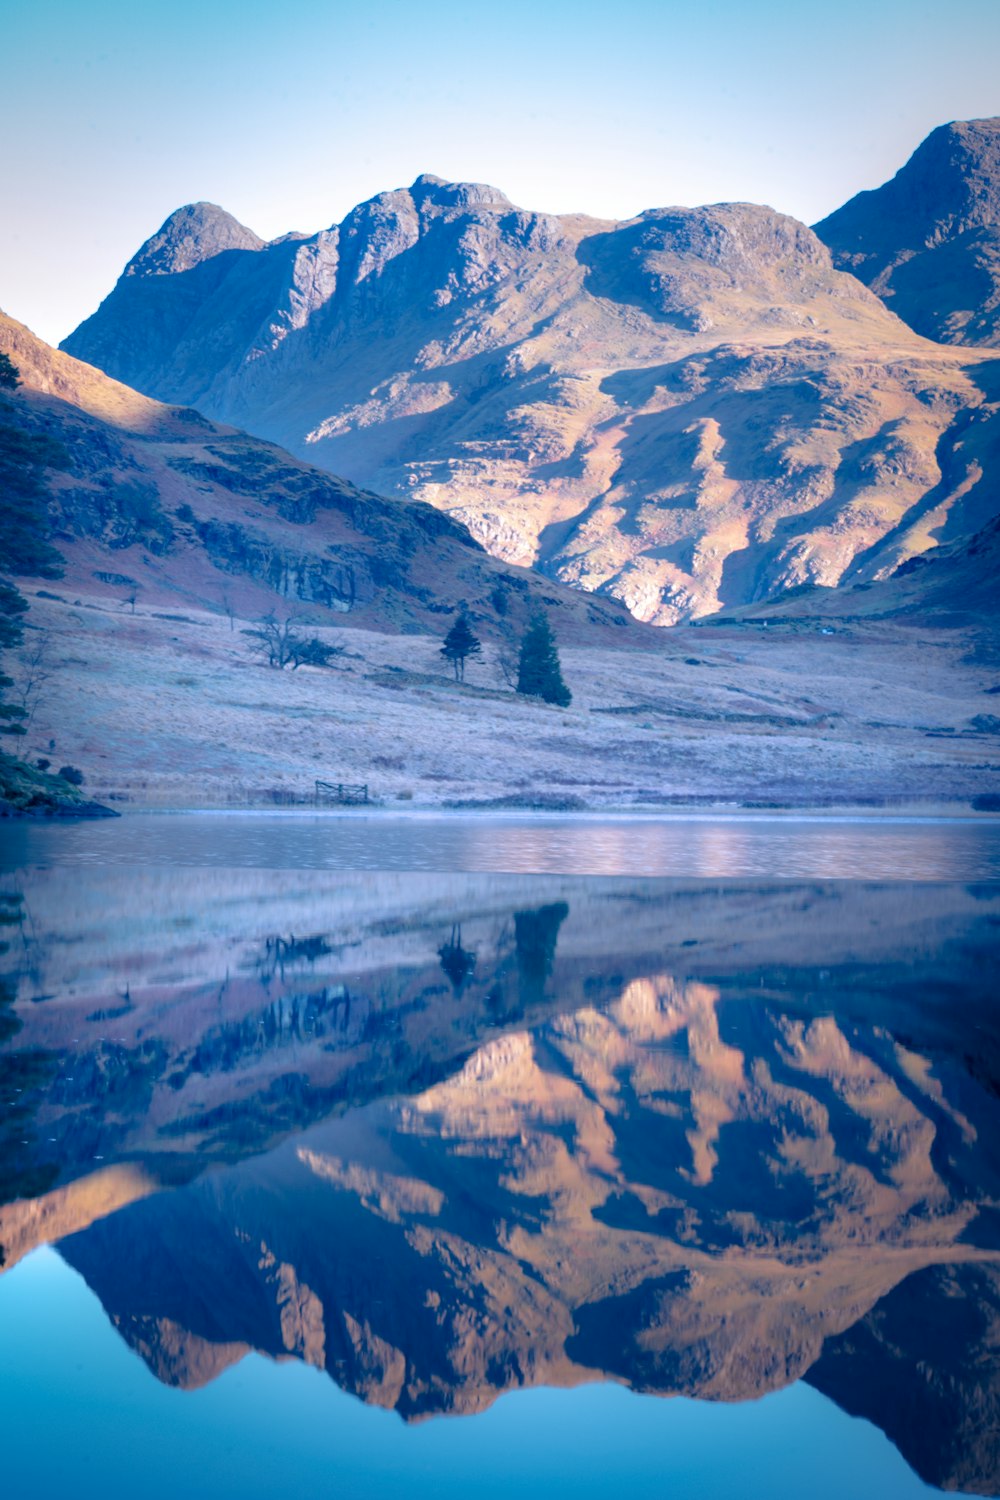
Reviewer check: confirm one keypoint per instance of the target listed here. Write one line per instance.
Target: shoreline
(931, 812)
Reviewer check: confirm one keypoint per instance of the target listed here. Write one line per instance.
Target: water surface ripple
(692, 846)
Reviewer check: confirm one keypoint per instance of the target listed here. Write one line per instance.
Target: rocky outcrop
(928, 241)
(27, 792)
(690, 410)
(193, 234)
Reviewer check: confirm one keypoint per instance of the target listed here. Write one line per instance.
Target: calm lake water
(710, 846)
(367, 1156)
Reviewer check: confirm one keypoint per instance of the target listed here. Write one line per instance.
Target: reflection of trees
(536, 934)
(10, 916)
(457, 962)
(23, 1075)
(280, 953)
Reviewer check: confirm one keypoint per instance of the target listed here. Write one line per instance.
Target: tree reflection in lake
(699, 1139)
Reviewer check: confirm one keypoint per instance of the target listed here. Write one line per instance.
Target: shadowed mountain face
(928, 242)
(160, 505)
(687, 410)
(944, 1413)
(699, 1139)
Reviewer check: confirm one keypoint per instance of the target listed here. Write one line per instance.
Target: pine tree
(539, 674)
(9, 374)
(459, 643)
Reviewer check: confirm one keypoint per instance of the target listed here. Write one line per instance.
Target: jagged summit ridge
(691, 409)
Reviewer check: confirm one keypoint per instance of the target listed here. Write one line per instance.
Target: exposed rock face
(160, 504)
(688, 410)
(928, 241)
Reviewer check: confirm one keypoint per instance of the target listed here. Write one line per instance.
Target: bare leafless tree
(281, 645)
(33, 675)
(507, 657)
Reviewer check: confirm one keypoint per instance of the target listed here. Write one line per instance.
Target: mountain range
(690, 410)
(743, 423)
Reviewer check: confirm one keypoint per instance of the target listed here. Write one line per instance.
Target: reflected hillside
(473, 1134)
(167, 1020)
(692, 1190)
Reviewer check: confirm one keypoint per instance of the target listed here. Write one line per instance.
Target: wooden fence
(340, 791)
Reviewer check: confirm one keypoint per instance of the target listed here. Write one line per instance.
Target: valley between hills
(698, 419)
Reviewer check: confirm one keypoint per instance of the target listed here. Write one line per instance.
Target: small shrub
(71, 774)
(43, 763)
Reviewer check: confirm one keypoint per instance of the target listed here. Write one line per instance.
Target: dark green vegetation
(461, 643)
(25, 789)
(539, 674)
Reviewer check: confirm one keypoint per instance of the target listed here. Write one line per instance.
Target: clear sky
(288, 112)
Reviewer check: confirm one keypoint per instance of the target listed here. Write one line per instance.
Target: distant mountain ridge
(690, 410)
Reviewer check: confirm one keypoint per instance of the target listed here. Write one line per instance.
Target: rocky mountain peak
(952, 180)
(190, 235)
(928, 241)
(727, 264)
(691, 409)
(736, 236)
(436, 192)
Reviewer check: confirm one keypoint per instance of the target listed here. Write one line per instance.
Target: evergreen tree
(539, 674)
(459, 643)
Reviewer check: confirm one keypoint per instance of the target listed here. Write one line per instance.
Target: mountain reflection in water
(444, 1136)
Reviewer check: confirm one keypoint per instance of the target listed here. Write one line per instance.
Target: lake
(819, 847)
(368, 1155)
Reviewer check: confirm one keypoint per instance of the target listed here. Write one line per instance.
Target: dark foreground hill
(157, 504)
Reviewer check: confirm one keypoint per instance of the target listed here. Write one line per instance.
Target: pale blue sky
(118, 111)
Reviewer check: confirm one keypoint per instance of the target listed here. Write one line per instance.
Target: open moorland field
(168, 708)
